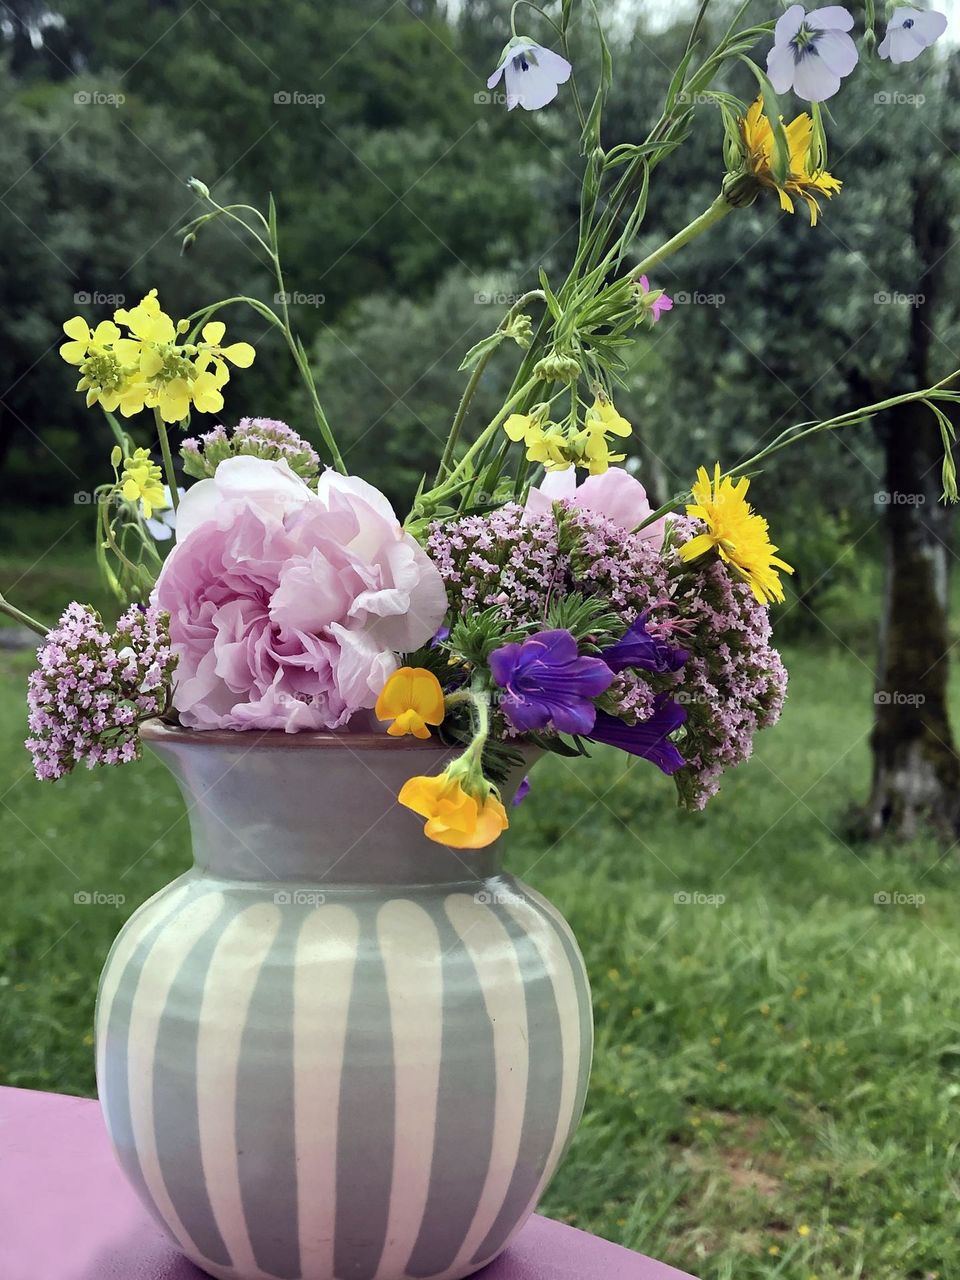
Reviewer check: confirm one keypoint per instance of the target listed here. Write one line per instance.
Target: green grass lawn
(776, 1078)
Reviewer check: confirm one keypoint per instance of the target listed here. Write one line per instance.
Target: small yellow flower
(759, 145)
(106, 361)
(740, 536)
(602, 416)
(239, 353)
(545, 442)
(142, 481)
(454, 817)
(413, 699)
(803, 1230)
(591, 447)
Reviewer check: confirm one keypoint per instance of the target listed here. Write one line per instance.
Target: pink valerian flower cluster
(500, 560)
(91, 690)
(512, 560)
(734, 682)
(255, 437)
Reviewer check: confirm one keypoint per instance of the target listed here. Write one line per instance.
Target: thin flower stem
(474, 381)
(801, 431)
(718, 210)
(19, 616)
(167, 459)
(490, 431)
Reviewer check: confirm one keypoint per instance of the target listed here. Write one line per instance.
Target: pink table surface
(66, 1212)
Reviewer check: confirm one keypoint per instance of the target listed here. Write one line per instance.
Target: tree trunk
(916, 771)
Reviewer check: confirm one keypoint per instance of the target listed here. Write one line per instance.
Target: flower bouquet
(352, 702)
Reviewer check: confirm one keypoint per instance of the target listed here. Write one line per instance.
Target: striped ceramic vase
(334, 1049)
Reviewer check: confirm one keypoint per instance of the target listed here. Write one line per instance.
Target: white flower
(812, 52)
(162, 523)
(533, 75)
(909, 32)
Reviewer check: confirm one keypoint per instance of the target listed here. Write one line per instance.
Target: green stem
(490, 431)
(719, 209)
(167, 459)
(801, 431)
(19, 616)
(474, 381)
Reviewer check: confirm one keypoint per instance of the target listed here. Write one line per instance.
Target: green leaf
(552, 304)
(590, 138)
(480, 349)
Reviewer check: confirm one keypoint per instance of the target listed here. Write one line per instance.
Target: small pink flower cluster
(267, 438)
(733, 684)
(503, 560)
(92, 689)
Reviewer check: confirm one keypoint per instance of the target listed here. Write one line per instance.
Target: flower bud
(187, 242)
(557, 368)
(741, 189)
(199, 188)
(115, 455)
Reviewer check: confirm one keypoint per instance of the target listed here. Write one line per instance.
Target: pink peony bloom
(288, 604)
(616, 494)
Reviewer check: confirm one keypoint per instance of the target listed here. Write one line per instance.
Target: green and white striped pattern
(342, 1082)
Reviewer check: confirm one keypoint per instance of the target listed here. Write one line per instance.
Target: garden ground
(777, 1008)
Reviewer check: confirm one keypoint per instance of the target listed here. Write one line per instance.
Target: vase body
(333, 1050)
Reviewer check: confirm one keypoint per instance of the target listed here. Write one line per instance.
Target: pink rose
(615, 494)
(288, 605)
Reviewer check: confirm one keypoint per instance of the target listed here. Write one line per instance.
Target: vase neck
(297, 808)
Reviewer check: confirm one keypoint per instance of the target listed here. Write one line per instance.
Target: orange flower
(454, 817)
(412, 699)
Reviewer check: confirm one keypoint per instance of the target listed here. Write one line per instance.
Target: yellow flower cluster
(557, 448)
(734, 530)
(142, 481)
(150, 368)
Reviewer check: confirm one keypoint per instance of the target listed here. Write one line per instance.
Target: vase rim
(158, 731)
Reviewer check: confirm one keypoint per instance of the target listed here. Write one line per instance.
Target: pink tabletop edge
(68, 1213)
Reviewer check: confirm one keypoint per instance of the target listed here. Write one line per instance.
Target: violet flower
(522, 791)
(638, 650)
(650, 739)
(548, 684)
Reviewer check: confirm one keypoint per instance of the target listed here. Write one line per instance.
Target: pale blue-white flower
(532, 75)
(162, 523)
(909, 32)
(812, 52)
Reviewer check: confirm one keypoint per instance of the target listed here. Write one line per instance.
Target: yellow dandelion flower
(759, 147)
(734, 530)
